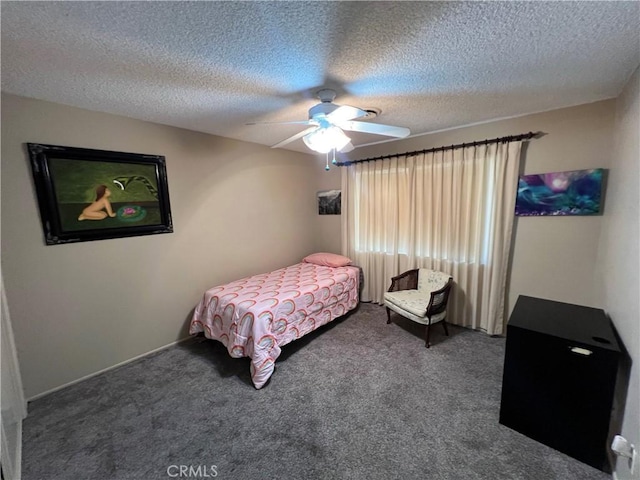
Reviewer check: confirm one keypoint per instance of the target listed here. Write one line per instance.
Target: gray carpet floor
(357, 399)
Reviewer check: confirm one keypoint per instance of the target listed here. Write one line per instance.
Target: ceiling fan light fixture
(323, 140)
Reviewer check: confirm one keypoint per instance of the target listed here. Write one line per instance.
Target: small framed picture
(329, 202)
(88, 194)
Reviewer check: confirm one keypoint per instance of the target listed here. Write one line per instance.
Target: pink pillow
(327, 259)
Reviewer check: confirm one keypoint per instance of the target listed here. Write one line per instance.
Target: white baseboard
(626, 474)
(614, 476)
(86, 377)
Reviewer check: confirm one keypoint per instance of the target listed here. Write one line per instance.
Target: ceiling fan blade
(375, 128)
(295, 137)
(344, 113)
(299, 122)
(347, 148)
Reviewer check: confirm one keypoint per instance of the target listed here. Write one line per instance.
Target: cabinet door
(557, 395)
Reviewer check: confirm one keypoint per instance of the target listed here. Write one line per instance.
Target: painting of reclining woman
(101, 194)
(104, 194)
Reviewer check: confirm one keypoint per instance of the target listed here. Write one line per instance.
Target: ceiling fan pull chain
(327, 166)
(334, 157)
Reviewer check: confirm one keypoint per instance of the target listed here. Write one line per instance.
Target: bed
(255, 316)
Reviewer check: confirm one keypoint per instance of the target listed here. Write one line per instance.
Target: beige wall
(237, 208)
(590, 261)
(553, 258)
(328, 227)
(619, 260)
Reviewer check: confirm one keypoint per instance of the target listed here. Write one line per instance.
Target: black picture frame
(86, 194)
(329, 202)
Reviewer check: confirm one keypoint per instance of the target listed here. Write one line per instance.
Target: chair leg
(446, 330)
(426, 336)
(388, 315)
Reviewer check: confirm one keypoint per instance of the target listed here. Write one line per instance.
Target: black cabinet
(560, 372)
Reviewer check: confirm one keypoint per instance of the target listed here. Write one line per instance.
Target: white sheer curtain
(450, 210)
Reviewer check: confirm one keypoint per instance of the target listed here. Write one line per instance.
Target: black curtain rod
(510, 138)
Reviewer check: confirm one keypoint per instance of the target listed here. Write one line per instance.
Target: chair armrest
(405, 281)
(439, 299)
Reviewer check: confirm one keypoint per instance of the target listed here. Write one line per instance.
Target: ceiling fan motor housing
(322, 108)
(326, 96)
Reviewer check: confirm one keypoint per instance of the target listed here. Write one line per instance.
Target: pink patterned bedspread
(255, 316)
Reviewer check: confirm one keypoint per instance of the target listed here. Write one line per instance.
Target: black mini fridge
(560, 372)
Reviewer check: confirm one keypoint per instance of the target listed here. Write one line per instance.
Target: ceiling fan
(328, 122)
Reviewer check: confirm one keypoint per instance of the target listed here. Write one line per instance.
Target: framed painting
(577, 192)
(330, 202)
(88, 194)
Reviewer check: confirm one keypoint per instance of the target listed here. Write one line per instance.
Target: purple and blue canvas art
(561, 193)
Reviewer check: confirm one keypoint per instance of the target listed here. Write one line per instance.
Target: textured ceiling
(214, 66)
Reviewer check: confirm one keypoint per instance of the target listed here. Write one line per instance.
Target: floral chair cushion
(431, 280)
(413, 303)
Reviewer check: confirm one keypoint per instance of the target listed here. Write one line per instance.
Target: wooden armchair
(420, 295)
